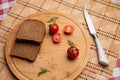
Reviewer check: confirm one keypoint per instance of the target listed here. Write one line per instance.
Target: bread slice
(31, 31)
(25, 50)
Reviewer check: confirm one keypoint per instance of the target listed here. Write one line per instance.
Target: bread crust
(32, 31)
(28, 40)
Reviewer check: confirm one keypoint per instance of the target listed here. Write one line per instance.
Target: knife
(102, 59)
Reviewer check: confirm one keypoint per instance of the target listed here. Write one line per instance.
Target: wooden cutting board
(51, 55)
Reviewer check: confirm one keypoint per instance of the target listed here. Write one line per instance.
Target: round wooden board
(51, 56)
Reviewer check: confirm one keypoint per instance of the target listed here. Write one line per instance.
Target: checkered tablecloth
(5, 6)
(116, 71)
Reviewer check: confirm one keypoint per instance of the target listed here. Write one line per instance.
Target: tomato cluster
(72, 51)
(54, 28)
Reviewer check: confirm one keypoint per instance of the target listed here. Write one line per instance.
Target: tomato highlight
(57, 38)
(72, 51)
(53, 29)
(68, 29)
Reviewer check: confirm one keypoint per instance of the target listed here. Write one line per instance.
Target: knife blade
(102, 59)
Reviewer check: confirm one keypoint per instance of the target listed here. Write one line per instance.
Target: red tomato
(53, 29)
(57, 38)
(72, 52)
(68, 29)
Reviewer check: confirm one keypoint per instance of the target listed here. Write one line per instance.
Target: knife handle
(101, 54)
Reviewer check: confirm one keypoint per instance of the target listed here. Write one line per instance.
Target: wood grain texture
(51, 56)
(105, 19)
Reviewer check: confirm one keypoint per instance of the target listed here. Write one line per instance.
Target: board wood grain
(51, 56)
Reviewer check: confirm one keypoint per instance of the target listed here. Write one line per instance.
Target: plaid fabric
(5, 6)
(118, 1)
(116, 71)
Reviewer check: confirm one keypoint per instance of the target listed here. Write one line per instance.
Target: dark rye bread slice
(25, 50)
(31, 31)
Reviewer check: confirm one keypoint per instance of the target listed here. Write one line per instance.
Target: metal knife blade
(101, 54)
(89, 22)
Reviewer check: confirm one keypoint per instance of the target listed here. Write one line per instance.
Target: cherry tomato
(72, 52)
(57, 38)
(68, 29)
(53, 28)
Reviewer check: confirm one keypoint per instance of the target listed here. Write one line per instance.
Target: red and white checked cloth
(116, 71)
(5, 6)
